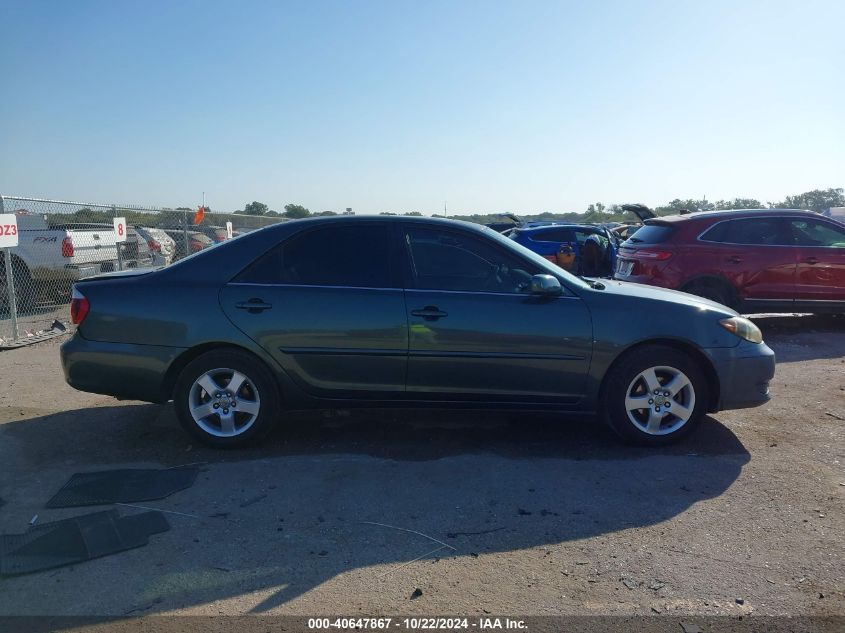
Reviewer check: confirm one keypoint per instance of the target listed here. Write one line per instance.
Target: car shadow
(336, 494)
(800, 337)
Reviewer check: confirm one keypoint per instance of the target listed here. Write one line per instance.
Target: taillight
(79, 307)
(196, 246)
(154, 246)
(67, 247)
(657, 255)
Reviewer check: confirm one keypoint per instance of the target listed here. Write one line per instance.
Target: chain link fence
(60, 242)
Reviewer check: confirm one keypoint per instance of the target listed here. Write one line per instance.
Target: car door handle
(735, 259)
(811, 260)
(254, 306)
(430, 313)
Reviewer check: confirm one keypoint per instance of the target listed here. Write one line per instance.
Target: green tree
(740, 203)
(414, 213)
(296, 211)
(691, 205)
(256, 208)
(816, 200)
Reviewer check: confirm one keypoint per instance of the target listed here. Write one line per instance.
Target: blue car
(594, 246)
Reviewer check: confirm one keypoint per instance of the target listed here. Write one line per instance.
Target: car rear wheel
(655, 395)
(226, 399)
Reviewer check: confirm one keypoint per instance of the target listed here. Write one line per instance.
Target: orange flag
(199, 215)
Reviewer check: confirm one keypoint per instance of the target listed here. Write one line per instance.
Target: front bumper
(122, 370)
(744, 374)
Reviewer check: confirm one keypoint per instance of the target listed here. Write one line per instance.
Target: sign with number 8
(120, 229)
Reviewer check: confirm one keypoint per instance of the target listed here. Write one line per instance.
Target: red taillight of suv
(644, 253)
(67, 247)
(154, 246)
(79, 307)
(196, 246)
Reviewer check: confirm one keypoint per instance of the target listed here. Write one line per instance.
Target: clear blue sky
(526, 106)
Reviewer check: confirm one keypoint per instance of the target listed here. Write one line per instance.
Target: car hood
(652, 293)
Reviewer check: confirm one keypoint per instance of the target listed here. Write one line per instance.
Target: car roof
(727, 213)
(295, 225)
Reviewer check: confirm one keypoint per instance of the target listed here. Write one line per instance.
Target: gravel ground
(531, 514)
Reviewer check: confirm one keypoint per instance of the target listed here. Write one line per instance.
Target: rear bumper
(744, 374)
(122, 370)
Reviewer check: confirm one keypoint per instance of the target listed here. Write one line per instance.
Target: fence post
(116, 243)
(10, 286)
(185, 232)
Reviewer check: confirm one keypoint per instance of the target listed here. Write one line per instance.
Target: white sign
(229, 230)
(8, 230)
(120, 229)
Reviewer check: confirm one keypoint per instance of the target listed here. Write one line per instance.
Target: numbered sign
(120, 229)
(229, 230)
(8, 230)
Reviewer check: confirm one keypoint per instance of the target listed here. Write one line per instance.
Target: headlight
(743, 328)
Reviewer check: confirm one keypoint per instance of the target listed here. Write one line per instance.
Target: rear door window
(351, 256)
(748, 231)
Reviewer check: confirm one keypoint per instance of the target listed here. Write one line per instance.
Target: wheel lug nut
(651, 400)
(656, 392)
(216, 405)
(657, 409)
(666, 393)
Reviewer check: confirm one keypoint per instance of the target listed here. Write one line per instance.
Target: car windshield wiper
(595, 284)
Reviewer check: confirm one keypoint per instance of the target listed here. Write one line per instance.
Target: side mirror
(545, 285)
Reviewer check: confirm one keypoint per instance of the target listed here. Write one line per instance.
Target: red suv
(772, 260)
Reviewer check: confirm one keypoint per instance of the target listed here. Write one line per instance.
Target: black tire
(619, 379)
(714, 290)
(24, 286)
(259, 378)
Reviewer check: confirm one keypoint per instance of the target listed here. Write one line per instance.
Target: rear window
(652, 234)
(352, 256)
(751, 231)
(552, 235)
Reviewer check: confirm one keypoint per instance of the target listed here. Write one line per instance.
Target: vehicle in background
(161, 246)
(836, 213)
(217, 234)
(134, 251)
(625, 230)
(509, 222)
(196, 242)
(758, 260)
(408, 312)
(593, 246)
(49, 259)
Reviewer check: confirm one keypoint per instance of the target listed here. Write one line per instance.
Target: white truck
(48, 259)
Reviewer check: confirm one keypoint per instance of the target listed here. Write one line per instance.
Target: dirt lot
(540, 516)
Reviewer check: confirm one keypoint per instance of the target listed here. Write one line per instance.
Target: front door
(327, 305)
(753, 254)
(476, 333)
(821, 261)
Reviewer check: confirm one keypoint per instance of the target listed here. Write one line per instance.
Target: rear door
(476, 333)
(753, 254)
(327, 305)
(820, 246)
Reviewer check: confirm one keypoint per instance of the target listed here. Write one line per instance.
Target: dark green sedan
(407, 312)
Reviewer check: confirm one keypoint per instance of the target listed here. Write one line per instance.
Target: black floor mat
(76, 540)
(122, 486)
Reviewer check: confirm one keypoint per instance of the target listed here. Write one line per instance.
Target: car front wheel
(654, 395)
(226, 398)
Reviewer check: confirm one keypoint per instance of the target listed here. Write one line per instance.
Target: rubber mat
(122, 486)
(76, 540)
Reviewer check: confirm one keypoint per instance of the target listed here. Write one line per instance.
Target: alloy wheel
(224, 402)
(660, 400)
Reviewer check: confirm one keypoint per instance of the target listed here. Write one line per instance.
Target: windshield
(541, 262)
